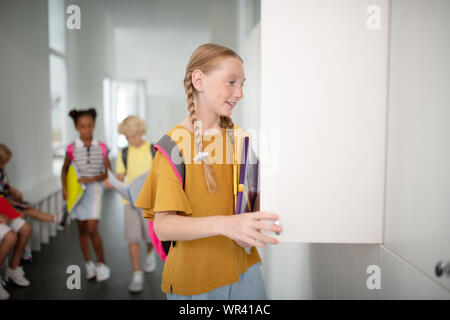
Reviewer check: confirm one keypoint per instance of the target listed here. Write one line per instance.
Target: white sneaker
(20, 268)
(90, 270)
(4, 295)
(17, 276)
(103, 272)
(150, 262)
(137, 282)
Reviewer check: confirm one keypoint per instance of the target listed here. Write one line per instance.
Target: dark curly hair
(76, 114)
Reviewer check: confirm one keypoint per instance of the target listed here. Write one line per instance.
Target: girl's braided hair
(76, 114)
(205, 58)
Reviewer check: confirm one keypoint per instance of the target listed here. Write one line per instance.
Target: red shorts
(7, 209)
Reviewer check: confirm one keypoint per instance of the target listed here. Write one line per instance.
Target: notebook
(248, 186)
(130, 192)
(75, 190)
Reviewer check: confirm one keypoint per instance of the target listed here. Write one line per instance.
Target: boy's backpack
(125, 155)
(169, 149)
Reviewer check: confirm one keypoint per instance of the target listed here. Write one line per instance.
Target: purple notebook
(248, 185)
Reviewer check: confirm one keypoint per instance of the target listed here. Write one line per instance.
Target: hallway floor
(47, 272)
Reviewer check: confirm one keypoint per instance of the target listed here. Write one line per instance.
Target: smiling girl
(207, 258)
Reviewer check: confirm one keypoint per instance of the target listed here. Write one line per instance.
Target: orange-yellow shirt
(196, 266)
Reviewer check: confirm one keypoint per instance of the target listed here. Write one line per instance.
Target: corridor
(47, 271)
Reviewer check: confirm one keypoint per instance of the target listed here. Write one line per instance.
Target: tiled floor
(48, 271)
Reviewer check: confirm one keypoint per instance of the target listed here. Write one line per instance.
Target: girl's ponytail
(92, 112)
(205, 59)
(73, 114)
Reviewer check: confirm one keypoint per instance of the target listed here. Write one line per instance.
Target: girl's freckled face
(223, 86)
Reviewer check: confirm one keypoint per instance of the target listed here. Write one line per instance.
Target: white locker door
(323, 118)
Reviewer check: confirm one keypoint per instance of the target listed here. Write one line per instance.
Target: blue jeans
(249, 287)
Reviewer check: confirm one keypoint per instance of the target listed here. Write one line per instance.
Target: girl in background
(8, 240)
(14, 230)
(91, 161)
(15, 197)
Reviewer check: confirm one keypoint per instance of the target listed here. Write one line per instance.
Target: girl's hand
(245, 228)
(107, 184)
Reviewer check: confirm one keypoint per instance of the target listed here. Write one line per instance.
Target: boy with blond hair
(132, 162)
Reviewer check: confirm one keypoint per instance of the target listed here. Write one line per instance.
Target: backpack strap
(152, 150)
(125, 157)
(104, 150)
(70, 147)
(171, 152)
(70, 150)
(231, 135)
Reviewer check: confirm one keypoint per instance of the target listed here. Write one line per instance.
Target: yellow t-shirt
(196, 266)
(139, 161)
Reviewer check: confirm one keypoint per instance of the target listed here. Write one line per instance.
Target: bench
(47, 197)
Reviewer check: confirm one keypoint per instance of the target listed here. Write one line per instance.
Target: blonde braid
(205, 58)
(226, 122)
(211, 183)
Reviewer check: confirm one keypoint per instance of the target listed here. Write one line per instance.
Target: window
(58, 89)
(121, 99)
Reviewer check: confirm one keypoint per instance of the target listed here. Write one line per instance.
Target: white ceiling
(192, 14)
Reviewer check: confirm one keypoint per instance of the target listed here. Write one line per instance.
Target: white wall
(25, 119)
(339, 271)
(247, 113)
(418, 175)
(159, 56)
(90, 59)
(159, 50)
